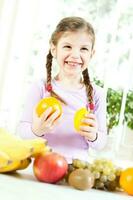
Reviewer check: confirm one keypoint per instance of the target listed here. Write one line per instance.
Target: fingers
(84, 133)
(87, 129)
(90, 128)
(53, 117)
(47, 112)
(89, 122)
(88, 135)
(48, 119)
(45, 122)
(58, 120)
(90, 116)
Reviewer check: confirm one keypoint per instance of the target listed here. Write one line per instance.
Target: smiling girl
(72, 45)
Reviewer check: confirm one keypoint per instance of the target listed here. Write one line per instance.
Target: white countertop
(24, 186)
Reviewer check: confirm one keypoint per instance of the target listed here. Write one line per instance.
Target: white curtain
(20, 22)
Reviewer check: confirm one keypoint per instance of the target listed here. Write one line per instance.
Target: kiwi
(81, 179)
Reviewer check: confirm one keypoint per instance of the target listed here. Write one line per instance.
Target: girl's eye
(67, 47)
(85, 49)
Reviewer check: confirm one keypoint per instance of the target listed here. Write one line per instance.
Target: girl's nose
(75, 53)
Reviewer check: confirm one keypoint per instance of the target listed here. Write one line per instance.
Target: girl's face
(73, 53)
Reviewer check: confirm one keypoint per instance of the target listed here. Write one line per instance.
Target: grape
(118, 171)
(88, 166)
(99, 167)
(111, 177)
(111, 185)
(70, 167)
(96, 174)
(79, 163)
(99, 185)
(106, 174)
(106, 171)
(103, 178)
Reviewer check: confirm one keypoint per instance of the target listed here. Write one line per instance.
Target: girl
(72, 45)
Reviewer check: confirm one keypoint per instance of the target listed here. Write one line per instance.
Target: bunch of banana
(16, 153)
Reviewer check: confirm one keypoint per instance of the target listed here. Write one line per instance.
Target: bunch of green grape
(105, 172)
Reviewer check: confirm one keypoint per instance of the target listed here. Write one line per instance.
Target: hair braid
(49, 77)
(89, 88)
(49, 67)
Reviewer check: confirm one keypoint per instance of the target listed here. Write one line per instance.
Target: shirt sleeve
(24, 127)
(100, 112)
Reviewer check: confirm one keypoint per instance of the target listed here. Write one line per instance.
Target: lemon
(47, 102)
(78, 117)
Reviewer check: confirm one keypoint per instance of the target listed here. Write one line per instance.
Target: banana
(4, 159)
(16, 150)
(38, 145)
(10, 167)
(16, 165)
(24, 163)
(43, 152)
(14, 147)
(16, 153)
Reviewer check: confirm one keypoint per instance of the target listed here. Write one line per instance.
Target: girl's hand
(90, 130)
(45, 123)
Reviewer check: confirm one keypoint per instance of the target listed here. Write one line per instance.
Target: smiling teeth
(73, 64)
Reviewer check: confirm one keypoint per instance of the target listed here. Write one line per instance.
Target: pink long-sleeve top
(63, 138)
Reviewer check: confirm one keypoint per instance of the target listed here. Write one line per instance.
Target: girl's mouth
(73, 64)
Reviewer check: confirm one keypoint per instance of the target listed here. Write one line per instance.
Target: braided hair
(70, 24)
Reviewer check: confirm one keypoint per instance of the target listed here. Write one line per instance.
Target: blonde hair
(70, 24)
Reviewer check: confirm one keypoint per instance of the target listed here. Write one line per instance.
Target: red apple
(50, 168)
